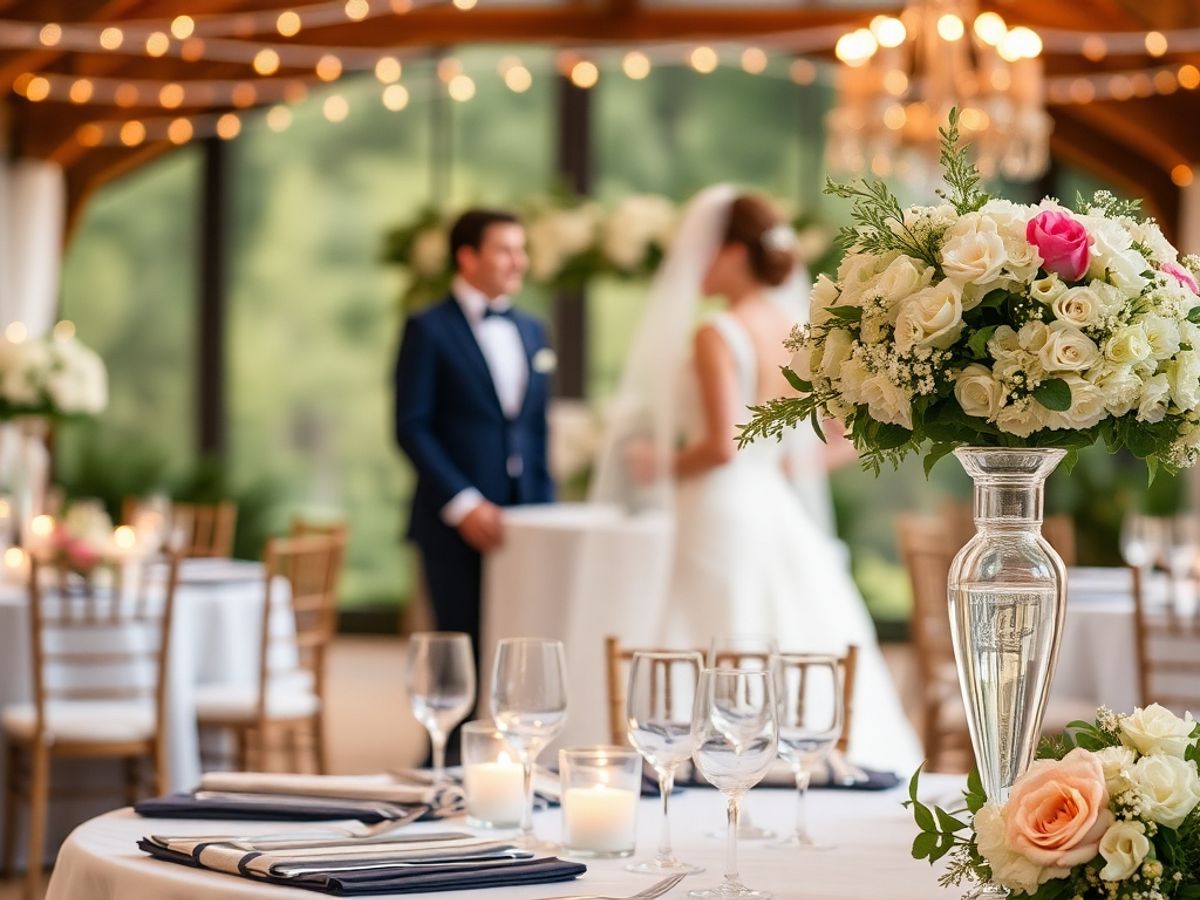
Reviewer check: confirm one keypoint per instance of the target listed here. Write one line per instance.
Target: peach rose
(1058, 810)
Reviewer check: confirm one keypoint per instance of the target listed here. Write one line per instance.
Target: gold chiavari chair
(1168, 652)
(617, 659)
(100, 657)
(288, 700)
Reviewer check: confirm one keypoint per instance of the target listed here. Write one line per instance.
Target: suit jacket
(450, 424)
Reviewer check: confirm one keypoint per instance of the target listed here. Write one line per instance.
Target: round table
(871, 830)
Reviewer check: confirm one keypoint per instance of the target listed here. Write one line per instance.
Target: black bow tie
(493, 312)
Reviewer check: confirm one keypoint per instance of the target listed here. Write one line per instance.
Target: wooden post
(575, 170)
(210, 331)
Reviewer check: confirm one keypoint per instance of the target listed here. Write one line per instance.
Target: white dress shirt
(504, 351)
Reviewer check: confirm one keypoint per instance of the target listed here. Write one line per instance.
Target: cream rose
(931, 318)
(886, 402)
(1003, 343)
(1047, 290)
(1163, 335)
(1023, 258)
(1118, 764)
(978, 392)
(838, 344)
(1111, 255)
(1067, 349)
(1009, 868)
(1087, 405)
(1184, 374)
(902, 278)
(1127, 346)
(1058, 810)
(824, 294)
(1078, 305)
(973, 251)
(1033, 336)
(1156, 393)
(1169, 787)
(1123, 847)
(1023, 419)
(1121, 387)
(853, 376)
(1155, 730)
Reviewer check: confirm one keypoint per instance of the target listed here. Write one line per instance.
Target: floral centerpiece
(1108, 811)
(983, 322)
(56, 376)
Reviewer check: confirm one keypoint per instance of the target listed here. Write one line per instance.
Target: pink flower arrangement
(1062, 241)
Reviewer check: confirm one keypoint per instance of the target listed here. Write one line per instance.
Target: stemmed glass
(736, 732)
(441, 687)
(745, 651)
(529, 704)
(1141, 540)
(810, 721)
(658, 716)
(1180, 554)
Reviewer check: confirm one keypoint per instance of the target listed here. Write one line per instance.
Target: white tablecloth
(215, 640)
(872, 833)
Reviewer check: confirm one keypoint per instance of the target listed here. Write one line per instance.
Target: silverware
(655, 890)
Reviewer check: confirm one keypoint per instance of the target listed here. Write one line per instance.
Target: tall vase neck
(1009, 483)
(1008, 503)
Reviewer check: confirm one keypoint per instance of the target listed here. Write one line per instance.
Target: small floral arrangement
(984, 322)
(1108, 811)
(55, 376)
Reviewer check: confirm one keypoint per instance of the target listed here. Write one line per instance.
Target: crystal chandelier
(901, 76)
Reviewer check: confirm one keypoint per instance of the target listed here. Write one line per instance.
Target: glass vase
(1007, 594)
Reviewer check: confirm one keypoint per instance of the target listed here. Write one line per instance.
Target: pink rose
(1182, 275)
(1062, 242)
(1058, 810)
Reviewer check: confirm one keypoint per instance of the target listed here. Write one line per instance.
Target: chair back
(618, 658)
(1168, 651)
(303, 526)
(927, 548)
(307, 568)
(202, 530)
(102, 637)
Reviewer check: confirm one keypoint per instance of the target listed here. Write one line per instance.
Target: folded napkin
(272, 807)
(781, 775)
(364, 866)
(342, 787)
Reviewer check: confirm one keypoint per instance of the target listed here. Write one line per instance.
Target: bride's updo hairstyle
(769, 241)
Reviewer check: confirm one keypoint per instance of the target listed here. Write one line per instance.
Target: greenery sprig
(962, 176)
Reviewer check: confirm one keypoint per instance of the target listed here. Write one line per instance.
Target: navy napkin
(187, 806)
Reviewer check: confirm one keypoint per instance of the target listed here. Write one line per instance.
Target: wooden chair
(204, 529)
(1168, 653)
(1059, 530)
(617, 659)
(304, 526)
(100, 658)
(288, 700)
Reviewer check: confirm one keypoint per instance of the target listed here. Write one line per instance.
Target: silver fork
(655, 890)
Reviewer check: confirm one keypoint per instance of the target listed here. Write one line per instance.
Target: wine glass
(810, 721)
(1180, 556)
(1141, 540)
(736, 732)
(658, 716)
(744, 651)
(529, 704)
(441, 687)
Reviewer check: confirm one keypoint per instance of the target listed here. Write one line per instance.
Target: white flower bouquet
(55, 376)
(982, 322)
(1109, 811)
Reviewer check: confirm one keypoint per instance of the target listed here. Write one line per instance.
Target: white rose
(1111, 298)
(1033, 336)
(973, 250)
(1009, 868)
(1078, 305)
(886, 402)
(1128, 345)
(1007, 215)
(933, 317)
(1087, 405)
(1118, 764)
(838, 344)
(1123, 847)
(1122, 387)
(857, 274)
(1023, 258)
(824, 295)
(1151, 235)
(1157, 730)
(1003, 343)
(1126, 271)
(1112, 255)
(1163, 335)
(1023, 419)
(902, 278)
(1048, 289)
(1156, 393)
(853, 376)
(1169, 787)
(1067, 349)
(1184, 374)
(978, 392)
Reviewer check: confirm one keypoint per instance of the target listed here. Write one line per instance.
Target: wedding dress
(750, 558)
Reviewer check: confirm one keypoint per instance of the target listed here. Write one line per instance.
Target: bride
(752, 550)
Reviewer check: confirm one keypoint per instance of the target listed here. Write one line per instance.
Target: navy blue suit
(450, 424)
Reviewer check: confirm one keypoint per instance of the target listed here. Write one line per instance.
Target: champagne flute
(441, 687)
(736, 731)
(529, 704)
(744, 651)
(658, 716)
(810, 721)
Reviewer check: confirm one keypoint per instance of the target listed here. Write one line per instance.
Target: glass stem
(803, 777)
(438, 740)
(527, 811)
(666, 784)
(731, 841)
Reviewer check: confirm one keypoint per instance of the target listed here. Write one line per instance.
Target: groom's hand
(482, 528)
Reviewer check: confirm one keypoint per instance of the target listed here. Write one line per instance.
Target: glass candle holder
(601, 787)
(493, 779)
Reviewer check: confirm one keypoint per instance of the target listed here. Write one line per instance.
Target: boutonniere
(545, 361)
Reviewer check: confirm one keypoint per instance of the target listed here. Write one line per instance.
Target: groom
(472, 384)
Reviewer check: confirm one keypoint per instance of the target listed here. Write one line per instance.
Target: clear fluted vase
(1007, 592)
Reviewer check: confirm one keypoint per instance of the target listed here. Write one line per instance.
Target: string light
(192, 50)
(1156, 43)
(704, 60)
(90, 135)
(329, 67)
(50, 34)
(80, 91)
(229, 126)
(895, 82)
(856, 47)
(335, 108)
(754, 60)
(279, 118)
(636, 65)
(395, 97)
(465, 5)
(1165, 82)
(183, 27)
(990, 28)
(133, 133)
(1182, 175)
(180, 131)
(244, 95)
(266, 61)
(447, 68)
(584, 74)
(171, 95)
(357, 10)
(288, 24)
(801, 71)
(126, 95)
(1094, 48)
(38, 89)
(64, 330)
(461, 88)
(888, 31)
(388, 69)
(950, 27)
(112, 38)
(518, 79)
(157, 44)
(1189, 77)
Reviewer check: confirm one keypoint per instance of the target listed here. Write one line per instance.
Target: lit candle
(495, 791)
(600, 819)
(16, 565)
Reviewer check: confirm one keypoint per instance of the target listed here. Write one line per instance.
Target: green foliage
(879, 223)
(962, 177)
(1109, 204)
(1053, 393)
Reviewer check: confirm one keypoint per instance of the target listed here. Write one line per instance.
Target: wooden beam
(13, 63)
